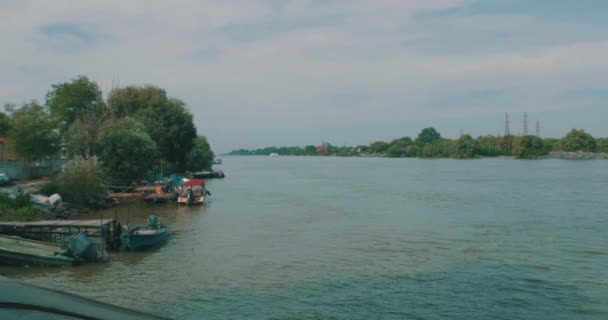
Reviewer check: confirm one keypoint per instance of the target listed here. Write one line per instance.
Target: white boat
(274, 154)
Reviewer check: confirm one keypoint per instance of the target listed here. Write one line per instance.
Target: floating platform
(56, 231)
(19, 251)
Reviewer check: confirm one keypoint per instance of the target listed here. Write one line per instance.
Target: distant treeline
(430, 144)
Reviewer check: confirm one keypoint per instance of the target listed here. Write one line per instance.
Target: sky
(259, 73)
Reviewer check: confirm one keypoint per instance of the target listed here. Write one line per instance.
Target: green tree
(578, 140)
(404, 147)
(601, 145)
(5, 124)
(83, 135)
(310, 150)
(529, 147)
(438, 149)
(491, 146)
(379, 147)
(34, 132)
(167, 121)
(201, 156)
(68, 100)
(464, 147)
(428, 136)
(128, 101)
(126, 151)
(551, 144)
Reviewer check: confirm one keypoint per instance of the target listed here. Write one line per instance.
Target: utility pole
(507, 129)
(538, 128)
(525, 124)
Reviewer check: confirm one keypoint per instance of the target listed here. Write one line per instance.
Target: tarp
(194, 183)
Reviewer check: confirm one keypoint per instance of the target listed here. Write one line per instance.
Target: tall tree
(70, 99)
(464, 147)
(128, 101)
(428, 136)
(578, 140)
(126, 151)
(84, 133)
(167, 121)
(201, 156)
(34, 132)
(5, 124)
(529, 147)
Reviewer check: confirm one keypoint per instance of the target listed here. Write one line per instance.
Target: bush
(529, 147)
(578, 140)
(49, 188)
(82, 182)
(18, 209)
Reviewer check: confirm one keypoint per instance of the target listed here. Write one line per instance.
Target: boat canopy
(194, 183)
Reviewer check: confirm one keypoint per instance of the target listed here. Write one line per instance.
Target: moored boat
(143, 236)
(20, 251)
(193, 192)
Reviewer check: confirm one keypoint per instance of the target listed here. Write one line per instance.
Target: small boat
(274, 154)
(193, 192)
(144, 236)
(20, 251)
(207, 174)
(217, 160)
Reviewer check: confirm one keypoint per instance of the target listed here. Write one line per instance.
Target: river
(369, 238)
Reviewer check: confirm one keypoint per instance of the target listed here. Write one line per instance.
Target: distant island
(577, 144)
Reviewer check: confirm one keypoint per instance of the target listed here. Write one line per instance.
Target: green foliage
(428, 136)
(491, 146)
(166, 120)
(82, 182)
(578, 140)
(126, 151)
(83, 135)
(602, 145)
(404, 147)
(5, 124)
(18, 209)
(70, 99)
(201, 156)
(378, 147)
(49, 188)
(34, 132)
(529, 147)
(438, 149)
(464, 147)
(128, 101)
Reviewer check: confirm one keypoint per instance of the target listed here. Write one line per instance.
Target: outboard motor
(190, 196)
(82, 247)
(153, 221)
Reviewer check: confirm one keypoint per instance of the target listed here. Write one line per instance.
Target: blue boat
(140, 237)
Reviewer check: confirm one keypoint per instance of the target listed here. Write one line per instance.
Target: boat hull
(196, 201)
(19, 251)
(133, 241)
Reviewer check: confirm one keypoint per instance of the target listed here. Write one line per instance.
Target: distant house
(322, 148)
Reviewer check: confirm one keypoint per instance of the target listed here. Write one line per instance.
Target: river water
(370, 238)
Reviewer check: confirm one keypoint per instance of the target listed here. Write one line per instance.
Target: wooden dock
(58, 230)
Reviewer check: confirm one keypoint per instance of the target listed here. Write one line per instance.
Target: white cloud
(293, 72)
